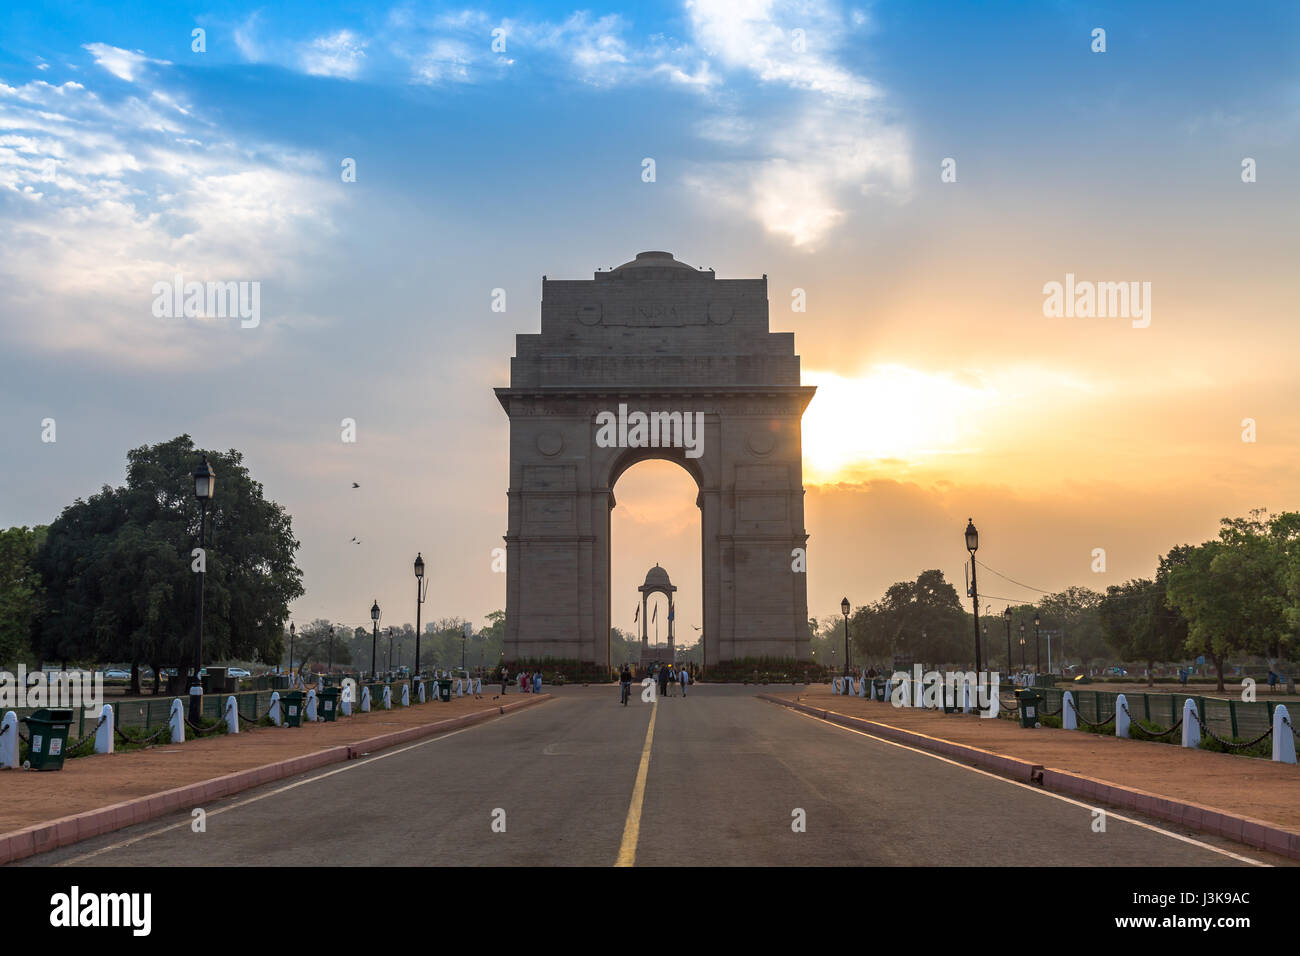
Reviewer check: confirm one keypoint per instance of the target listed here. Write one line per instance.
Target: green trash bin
(1031, 702)
(292, 704)
(49, 732)
(329, 703)
(444, 688)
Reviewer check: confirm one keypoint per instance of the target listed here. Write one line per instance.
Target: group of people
(667, 676)
(530, 682)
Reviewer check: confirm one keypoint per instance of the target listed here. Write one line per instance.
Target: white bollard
(478, 686)
(104, 735)
(348, 697)
(9, 741)
(862, 687)
(965, 697)
(406, 695)
(889, 691)
(1191, 724)
(275, 709)
(177, 721)
(388, 697)
(459, 692)
(1121, 716)
(311, 705)
(1070, 716)
(232, 715)
(1283, 738)
(835, 685)
(365, 700)
(420, 691)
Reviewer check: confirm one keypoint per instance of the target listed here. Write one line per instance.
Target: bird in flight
(355, 485)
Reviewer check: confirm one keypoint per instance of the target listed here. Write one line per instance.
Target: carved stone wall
(655, 335)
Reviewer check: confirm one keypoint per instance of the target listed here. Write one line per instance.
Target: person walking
(684, 676)
(625, 682)
(505, 679)
(663, 681)
(537, 682)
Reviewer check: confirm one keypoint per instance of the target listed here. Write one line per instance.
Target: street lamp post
(1038, 650)
(1022, 646)
(292, 629)
(329, 670)
(374, 637)
(1007, 617)
(973, 545)
(464, 636)
(844, 608)
(204, 481)
(420, 592)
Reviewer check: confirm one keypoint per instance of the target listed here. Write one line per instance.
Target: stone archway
(618, 356)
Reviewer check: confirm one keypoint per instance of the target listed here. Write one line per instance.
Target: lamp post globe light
(374, 637)
(205, 480)
(420, 591)
(973, 545)
(844, 609)
(1038, 652)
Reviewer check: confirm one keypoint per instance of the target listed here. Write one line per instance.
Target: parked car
(239, 672)
(117, 674)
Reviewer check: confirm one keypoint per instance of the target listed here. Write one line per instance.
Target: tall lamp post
(1038, 650)
(329, 670)
(1006, 615)
(390, 651)
(420, 592)
(844, 608)
(464, 636)
(1022, 647)
(204, 481)
(292, 629)
(973, 545)
(374, 637)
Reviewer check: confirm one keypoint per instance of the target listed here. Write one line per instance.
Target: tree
(118, 574)
(1233, 592)
(20, 591)
(1073, 612)
(922, 619)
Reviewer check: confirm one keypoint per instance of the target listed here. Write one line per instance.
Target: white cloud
(339, 54)
(123, 64)
(101, 198)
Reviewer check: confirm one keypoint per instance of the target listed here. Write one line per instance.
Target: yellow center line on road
(632, 828)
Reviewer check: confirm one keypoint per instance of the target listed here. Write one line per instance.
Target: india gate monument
(655, 359)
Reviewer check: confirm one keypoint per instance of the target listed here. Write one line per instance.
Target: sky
(921, 170)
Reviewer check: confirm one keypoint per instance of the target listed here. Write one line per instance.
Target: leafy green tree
(20, 591)
(118, 576)
(922, 619)
(1073, 613)
(1233, 592)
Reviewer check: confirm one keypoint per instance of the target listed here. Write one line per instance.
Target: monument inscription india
(655, 359)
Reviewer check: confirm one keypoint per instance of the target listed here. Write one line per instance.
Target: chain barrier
(1088, 723)
(1148, 734)
(4, 729)
(1229, 744)
(90, 736)
(204, 730)
(1287, 721)
(127, 739)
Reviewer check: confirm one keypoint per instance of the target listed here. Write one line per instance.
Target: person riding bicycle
(625, 679)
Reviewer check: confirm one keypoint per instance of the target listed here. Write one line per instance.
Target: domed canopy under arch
(656, 582)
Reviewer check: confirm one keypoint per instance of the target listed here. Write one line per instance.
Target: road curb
(1194, 816)
(43, 837)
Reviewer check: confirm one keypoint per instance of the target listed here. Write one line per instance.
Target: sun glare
(890, 415)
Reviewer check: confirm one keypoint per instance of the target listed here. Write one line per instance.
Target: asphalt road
(724, 777)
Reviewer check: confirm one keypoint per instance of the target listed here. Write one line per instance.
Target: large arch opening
(655, 520)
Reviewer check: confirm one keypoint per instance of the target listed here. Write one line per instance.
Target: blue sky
(125, 157)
